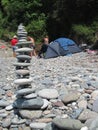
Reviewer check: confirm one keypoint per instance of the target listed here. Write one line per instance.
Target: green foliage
(56, 18)
(87, 33)
(37, 27)
(26, 12)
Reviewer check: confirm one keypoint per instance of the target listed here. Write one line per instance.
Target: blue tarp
(65, 42)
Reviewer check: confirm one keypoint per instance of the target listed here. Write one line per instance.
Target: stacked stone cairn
(26, 98)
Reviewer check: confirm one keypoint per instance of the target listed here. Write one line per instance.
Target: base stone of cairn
(26, 97)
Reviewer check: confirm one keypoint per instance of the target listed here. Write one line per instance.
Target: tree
(26, 12)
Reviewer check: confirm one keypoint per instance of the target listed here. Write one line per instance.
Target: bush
(86, 33)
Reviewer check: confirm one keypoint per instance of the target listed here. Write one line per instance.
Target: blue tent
(65, 42)
(61, 47)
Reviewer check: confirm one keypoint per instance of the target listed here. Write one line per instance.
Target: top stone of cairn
(21, 32)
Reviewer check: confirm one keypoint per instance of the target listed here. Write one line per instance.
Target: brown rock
(71, 97)
(58, 104)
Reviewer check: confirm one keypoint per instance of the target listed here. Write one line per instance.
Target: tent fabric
(54, 50)
(61, 47)
(65, 42)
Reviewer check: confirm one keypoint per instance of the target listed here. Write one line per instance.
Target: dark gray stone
(29, 104)
(25, 91)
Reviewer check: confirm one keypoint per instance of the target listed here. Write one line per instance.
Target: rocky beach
(63, 94)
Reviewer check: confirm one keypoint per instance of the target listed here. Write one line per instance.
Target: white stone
(22, 72)
(48, 93)
(23, 81)
(9, 108)
(84, 128)
(46, 103)
(21, 64)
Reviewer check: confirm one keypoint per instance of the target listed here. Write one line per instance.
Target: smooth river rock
(68, 124)
(23, 81)
(94, 124)
(22, 72)
(71, 97)
(25, 91)
(48, 93)
(24, 49)
(4, 103)
(87, 114)
(24, 57)
(21, 64)
(30, 114)
(36, 103)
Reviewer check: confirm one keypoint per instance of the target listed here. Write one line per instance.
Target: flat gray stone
(37, 125)
(24, 49)
(48, 93)
(30, 114)
(24, 57)
(25, 91)
(36, 103)
(21, 64)
(68, 124)
(22, 72)
(24, 43)
(23, 81)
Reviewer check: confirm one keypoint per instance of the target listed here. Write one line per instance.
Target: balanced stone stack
(23, 80)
